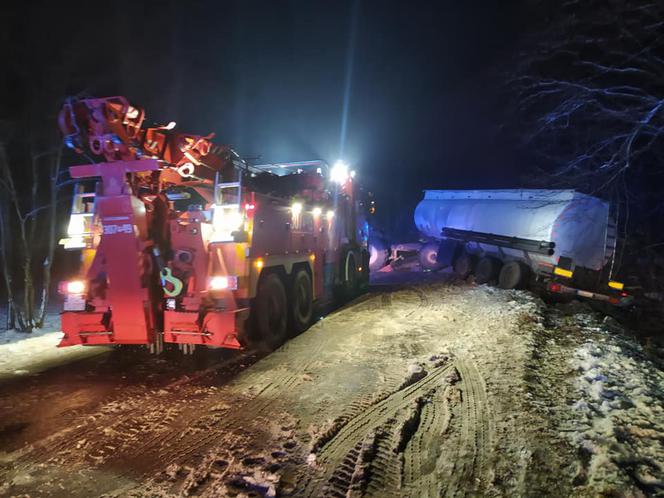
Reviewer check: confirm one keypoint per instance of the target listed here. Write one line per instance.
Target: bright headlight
(296, 208)
(218, 283)
(222, 282)
(339, 173)
(76, 225)
(226, 221)
(74, 287)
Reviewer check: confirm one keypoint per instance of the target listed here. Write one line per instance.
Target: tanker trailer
(519, 238)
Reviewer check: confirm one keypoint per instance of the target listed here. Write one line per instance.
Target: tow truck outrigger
(184, 242)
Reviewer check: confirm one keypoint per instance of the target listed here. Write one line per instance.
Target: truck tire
(271, 313)
(429, 257)
(301, 303)
(463, 265)
(350, 281)
(364, 272)
(513, 275)
(487, 270)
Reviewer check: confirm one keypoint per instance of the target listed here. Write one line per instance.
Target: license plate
(74, 303)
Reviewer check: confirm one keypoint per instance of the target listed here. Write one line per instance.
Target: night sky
(426, 103)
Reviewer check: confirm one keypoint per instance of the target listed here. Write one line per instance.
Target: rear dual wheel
(270, 313)
(463, 265)
(487, 270)
(350, 286)
(301, 303)
(513, 275)
(278, 311)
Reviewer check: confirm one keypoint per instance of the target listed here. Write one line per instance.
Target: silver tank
(576, 222)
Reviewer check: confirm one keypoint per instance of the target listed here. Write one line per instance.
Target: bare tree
(24, 208)
(591, 96)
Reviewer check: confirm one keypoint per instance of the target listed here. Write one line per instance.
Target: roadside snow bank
(620, 408)
(51, 325)
(28, 353)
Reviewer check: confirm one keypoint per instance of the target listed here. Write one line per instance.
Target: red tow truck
(182, 241)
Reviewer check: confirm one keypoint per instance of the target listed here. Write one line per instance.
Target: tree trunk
(52, 225)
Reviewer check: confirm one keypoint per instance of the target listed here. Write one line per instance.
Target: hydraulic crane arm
(112, 128)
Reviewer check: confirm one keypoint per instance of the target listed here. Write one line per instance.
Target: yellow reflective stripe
(616, 285)
(562, 272)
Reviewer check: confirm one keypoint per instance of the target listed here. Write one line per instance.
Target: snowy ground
(616, 415)
(429, 389)
(29, 353)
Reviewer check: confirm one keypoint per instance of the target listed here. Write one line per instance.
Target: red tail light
(249, 209)
(553, 287)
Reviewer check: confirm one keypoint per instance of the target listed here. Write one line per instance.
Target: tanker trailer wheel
(271, 313)
(487, 269)
(513, 275)
(301, 304)
(463, 265)
(429, 257)
(378, 254)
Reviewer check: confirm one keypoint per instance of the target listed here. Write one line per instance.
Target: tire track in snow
(408, 445)
(177, 446)
(335, 453)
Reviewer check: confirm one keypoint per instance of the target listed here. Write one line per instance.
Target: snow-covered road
(428, 389)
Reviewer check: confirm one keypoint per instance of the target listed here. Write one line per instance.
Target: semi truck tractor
(181, 241)
(563, 239)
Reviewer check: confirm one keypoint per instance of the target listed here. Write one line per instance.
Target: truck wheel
(463, 265)
(513, 275)
(429, 257)
(301, 302)
(350, 283)
(271, 312)
(364, 272)
(487, 269)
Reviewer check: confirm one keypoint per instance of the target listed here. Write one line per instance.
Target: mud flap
(84, 328)
(218, 328)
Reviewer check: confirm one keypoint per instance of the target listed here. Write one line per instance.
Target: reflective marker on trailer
(616, 285)
(553, 287)
(562, 272)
